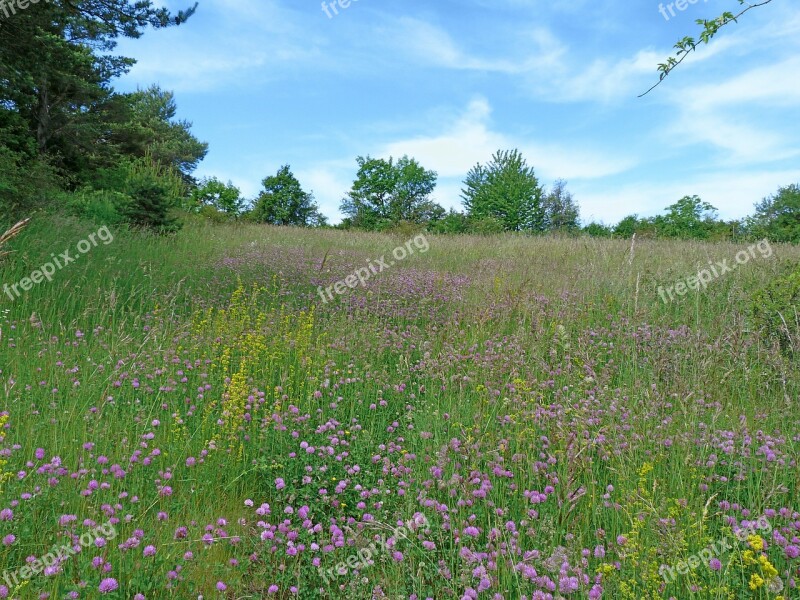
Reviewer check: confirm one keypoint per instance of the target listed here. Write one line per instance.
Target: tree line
(502, 195)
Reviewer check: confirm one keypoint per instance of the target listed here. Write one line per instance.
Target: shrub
(486, 226)
(154, 191)
(776, 311)
(106, 207)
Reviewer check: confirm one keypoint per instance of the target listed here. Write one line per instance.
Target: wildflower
(109, 584)
(775, 585)
(755, 542)
(766, 567)
(714, 564)
(755, 582)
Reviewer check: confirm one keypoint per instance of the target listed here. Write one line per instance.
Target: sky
(449, 82)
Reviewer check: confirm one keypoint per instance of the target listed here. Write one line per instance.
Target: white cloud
(469, 140)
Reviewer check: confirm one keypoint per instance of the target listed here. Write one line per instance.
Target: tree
(153, 191)
(56, 65)
(386, 193)
(627, 226)
(777, 217)
(597, 230)
(223, 197)
(688, 44)
(148, 125)
(283, 202)
(561, 213)
(505, 189)
(452, 222)
(688, 218)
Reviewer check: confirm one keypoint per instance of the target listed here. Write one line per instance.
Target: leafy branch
(688, 44)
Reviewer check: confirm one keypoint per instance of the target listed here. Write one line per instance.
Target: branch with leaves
(688, 44)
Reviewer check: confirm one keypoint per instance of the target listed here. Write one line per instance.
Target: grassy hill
(507, 415)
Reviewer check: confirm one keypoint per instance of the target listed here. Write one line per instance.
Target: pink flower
(109, 584)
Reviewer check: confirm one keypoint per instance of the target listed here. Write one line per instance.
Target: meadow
(498, 417)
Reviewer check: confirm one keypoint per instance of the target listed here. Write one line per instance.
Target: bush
(105, 207)
(154, 191)
(776, 312)
(597, 230)
(210, 213)
(24, 184)
(486, 226)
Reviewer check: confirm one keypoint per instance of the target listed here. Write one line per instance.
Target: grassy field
(499, 417)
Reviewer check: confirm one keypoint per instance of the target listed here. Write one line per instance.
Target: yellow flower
(766, 567)
(606, 569)
(755, 542)
(755, 582)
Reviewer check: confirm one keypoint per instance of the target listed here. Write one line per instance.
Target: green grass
(463, 383)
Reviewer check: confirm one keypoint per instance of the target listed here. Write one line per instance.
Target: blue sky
(273, 82)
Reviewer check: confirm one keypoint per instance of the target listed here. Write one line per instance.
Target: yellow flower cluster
(4, 476)
(255, 344)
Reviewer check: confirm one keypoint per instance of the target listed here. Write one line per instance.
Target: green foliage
(25, 183)
(387, 192)
(776, 311)
(561, 213)
(777, 217)
(454, 222)
(507, 190)
(212, 193)
(154, 192)
(210, 213)
(627, 226)
(597, 230)
(284, 202)
(106, 207)
(688, 218)
(488, 225)
(56, 100)
(147, 126)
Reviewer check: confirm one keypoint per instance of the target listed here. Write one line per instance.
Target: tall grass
(537, 390)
